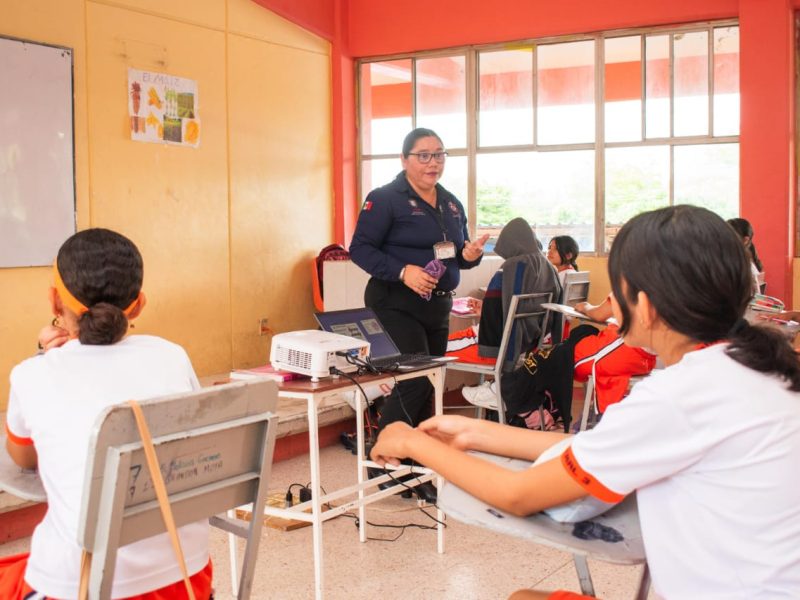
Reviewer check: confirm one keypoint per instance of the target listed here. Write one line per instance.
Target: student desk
(315, 394)
(22, 483)
(541, 529)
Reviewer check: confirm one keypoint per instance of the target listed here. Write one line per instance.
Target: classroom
(296, 100)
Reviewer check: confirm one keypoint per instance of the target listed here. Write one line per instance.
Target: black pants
(415, 325)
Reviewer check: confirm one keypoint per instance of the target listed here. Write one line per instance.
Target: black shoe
(426, 491)
(373, 473)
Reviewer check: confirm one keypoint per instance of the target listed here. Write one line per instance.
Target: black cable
(368, 404)
(403, 528)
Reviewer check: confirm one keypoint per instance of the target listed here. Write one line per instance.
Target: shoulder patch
(367, 205)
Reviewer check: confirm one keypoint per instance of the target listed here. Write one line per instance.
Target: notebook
(363, 324)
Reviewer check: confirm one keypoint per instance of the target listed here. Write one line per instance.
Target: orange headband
(71, 302)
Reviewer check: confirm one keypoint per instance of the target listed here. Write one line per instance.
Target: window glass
(708, 175)
(657, 92)
(623, 89)
(565, 98)
(726, 81)
(378, 172)
(442, 99)
(691, 83)
(506, 97)
(553, 191)
(386, 101)
(637, 180)
(454, 178)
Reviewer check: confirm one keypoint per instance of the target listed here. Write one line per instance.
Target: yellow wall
(226, 230)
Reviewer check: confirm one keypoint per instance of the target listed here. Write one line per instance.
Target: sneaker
(481, 395)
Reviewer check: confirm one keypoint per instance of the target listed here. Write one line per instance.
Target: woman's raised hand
(474, 250)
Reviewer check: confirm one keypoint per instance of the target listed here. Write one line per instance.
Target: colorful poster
(163, 108)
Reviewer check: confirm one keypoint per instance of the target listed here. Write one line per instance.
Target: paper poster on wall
(163, 108)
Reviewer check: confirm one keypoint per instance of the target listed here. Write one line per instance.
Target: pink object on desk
(266, 372)
(461, 306)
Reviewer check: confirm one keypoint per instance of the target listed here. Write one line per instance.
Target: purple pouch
(435, 269)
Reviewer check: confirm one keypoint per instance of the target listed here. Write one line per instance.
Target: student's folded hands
(394, 443)
(454, 430)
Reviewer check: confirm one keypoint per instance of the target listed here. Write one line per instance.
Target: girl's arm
(23, 455)
(600, 312)
(464, 433)
(517, 492)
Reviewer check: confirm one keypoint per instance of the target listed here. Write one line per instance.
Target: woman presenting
(402, 227)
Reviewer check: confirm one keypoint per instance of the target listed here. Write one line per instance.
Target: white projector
(313, 352)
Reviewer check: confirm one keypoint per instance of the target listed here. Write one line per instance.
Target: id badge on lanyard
(444, 250)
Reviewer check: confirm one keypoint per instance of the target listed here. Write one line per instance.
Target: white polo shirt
(713, 449)
(55, 400)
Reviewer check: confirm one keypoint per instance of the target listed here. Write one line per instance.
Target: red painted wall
(381, 27)
(317, 16)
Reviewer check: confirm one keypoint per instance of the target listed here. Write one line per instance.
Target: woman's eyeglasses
(425, 157)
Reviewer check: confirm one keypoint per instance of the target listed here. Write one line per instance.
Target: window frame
(471, 54)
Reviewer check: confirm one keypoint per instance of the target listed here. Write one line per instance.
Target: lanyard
(437, 214)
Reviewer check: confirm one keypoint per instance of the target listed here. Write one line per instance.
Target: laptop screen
(360, 323)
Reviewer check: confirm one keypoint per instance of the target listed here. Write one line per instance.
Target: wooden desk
(315, 393)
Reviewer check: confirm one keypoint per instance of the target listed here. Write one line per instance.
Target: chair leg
(232, 555)
(584, 577)
(588, 403)
(644, 584)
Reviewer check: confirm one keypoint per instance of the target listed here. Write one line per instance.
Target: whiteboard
(37, 164)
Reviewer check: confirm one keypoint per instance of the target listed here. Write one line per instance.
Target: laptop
(363, 324)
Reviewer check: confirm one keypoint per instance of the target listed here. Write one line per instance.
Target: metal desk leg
(437, 379)
(362, 509)
(316, 506)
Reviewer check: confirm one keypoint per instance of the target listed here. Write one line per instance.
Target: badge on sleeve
(444, 250)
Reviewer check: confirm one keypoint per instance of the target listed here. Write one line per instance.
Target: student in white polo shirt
(711, 444)
(55, 398)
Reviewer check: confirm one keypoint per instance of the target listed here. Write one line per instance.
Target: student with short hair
(55, 399)
(709, 444)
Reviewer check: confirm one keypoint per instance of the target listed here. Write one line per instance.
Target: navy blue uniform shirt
(397, 228)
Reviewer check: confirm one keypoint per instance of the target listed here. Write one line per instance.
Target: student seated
(524, 271)
(546, 376)
(562, 252)
(708, 443)
(744, 230)
(90, 364)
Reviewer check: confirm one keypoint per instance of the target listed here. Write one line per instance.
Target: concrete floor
(477, 564)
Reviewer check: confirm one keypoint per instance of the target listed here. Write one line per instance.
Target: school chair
(510, 328)
(214, 447)
(576, 290)
(539, 528)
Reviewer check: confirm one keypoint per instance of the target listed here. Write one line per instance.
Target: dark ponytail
(104, 271)
(695, 271)
(766, 350)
